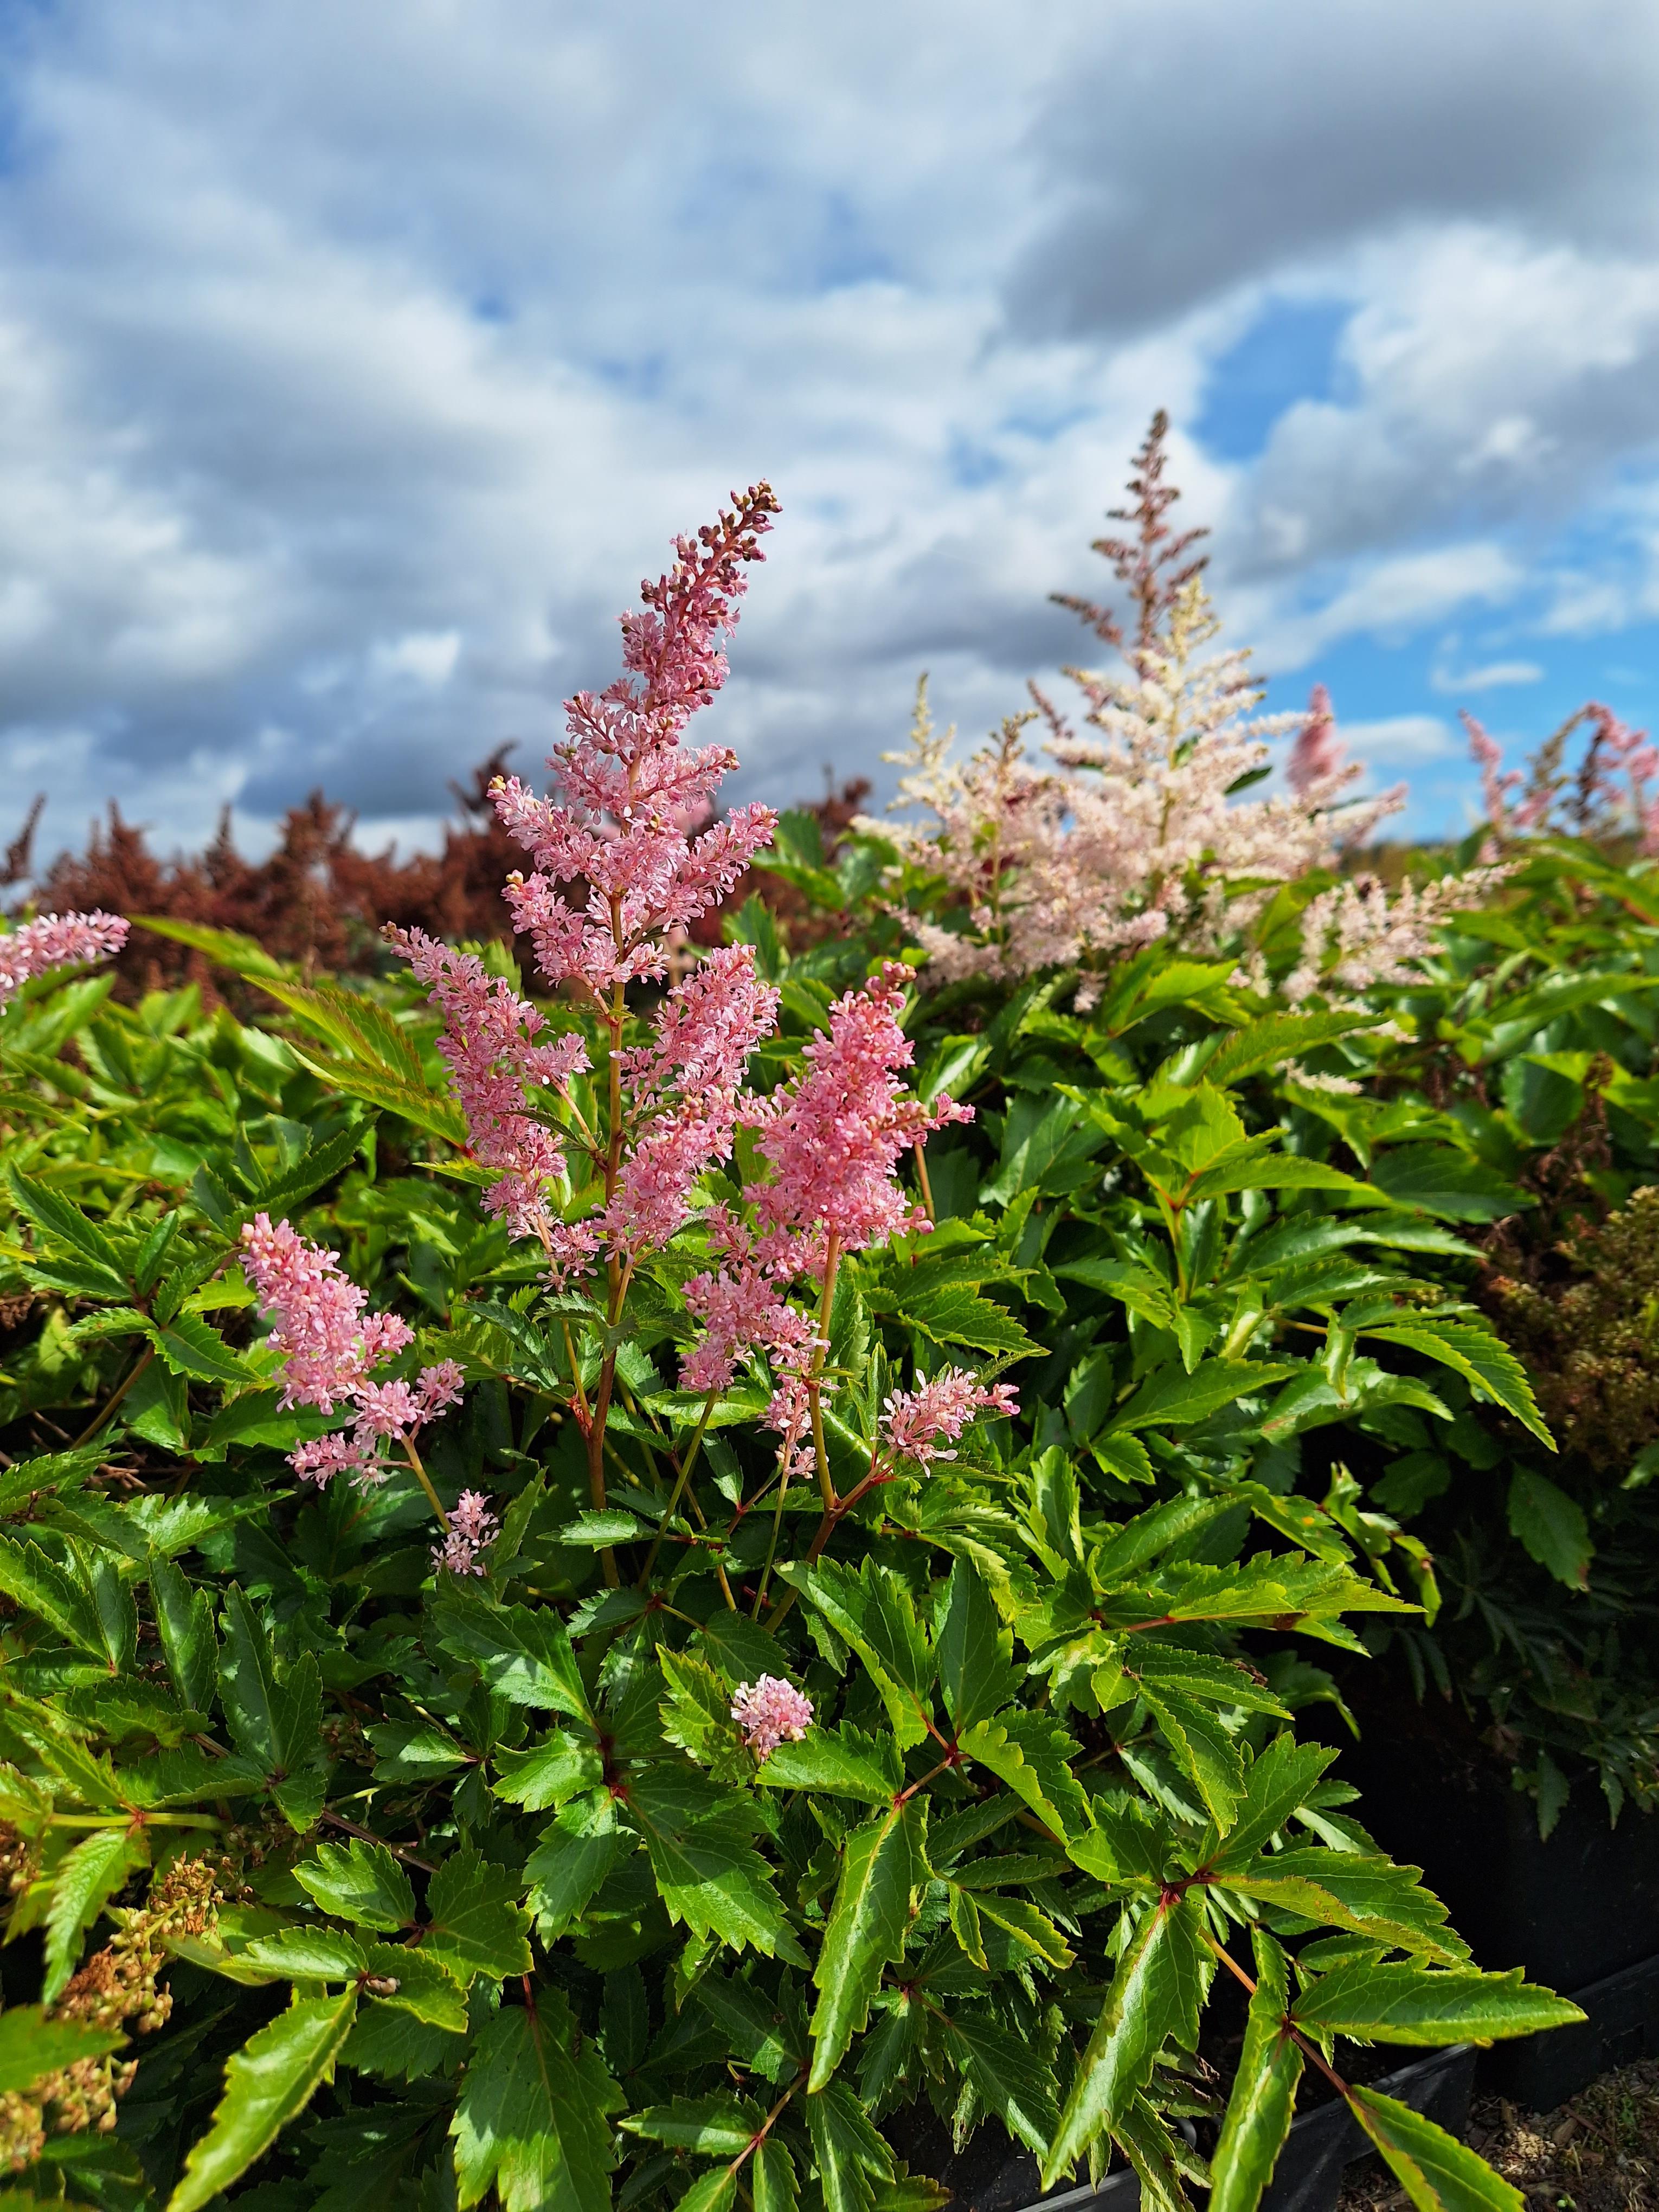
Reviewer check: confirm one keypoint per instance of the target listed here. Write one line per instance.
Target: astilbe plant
(787, 1747)
(1134, 831)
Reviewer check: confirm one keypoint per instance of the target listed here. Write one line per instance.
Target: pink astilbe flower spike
(55, 941)
(472, 1526)
(920, 1424)
(491, 1043)
(833, 1139)
(1317, 761)
(625, 822)
(1497, 788)
(1136, 828)
(770, 1712)
(626, 855)
(331, 1345)
(687, 1086)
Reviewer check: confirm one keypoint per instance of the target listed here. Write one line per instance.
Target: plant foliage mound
(631, 1599)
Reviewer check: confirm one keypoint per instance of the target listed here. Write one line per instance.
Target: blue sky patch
(1289, 353)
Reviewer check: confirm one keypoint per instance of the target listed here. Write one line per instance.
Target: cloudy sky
(356, 361)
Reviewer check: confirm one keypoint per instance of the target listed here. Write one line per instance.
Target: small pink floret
(329, 1347)
(771, 1712)
(473, 1525)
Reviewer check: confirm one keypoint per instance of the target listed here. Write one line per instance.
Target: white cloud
(1459, 683)
(426, 657)
(1395, 743)
(1384, 599)
(355, 363)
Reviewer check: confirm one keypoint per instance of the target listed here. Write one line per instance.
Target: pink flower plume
(920, 1422)
(56, 940)
(329, 1347)
(770, 1712)
(1316, 759)
(472, 1526)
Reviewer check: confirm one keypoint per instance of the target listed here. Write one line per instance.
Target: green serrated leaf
(1406, 2003)
(533, 2118)
(477, 1922)
(1262, 2102)
(268, 2083)
(1477, 1355)
(308, 1954)
(88, 1878)
(360, 1882)
(1153, 1999)
(190, 1347)
(1013, 2079)
(1438, 2173)
(708, 1873)
(974, 1651)
(1174, 1399)
(524, 1656)
(883, 1863)
(843, 1762)
(852, 2160)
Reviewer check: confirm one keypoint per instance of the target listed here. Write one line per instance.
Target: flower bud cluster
(117, 1986)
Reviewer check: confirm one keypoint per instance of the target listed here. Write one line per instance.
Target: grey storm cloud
(356, 363)
(1197, 146)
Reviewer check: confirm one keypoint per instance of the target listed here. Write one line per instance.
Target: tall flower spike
(55, 941)
(491, 1043)
(622, 827)
(1316, 764)
(833, 1140)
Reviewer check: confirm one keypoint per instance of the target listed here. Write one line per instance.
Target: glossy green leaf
(1153, 1998)
(1262, 2101)
(308, 1954)
(1013, 2079)
(1436, 2172)
(708, 1873)
(883, 1864)
(476, 1925)
(1405, 2003)
(533, 2118)
(268, 2083)
(524, 1656)
(1174, 1399)
(974, 1651)
(360, 1882)
(853, 2160)
(842, 1761)
(85, 1882)
(1477, 1355)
